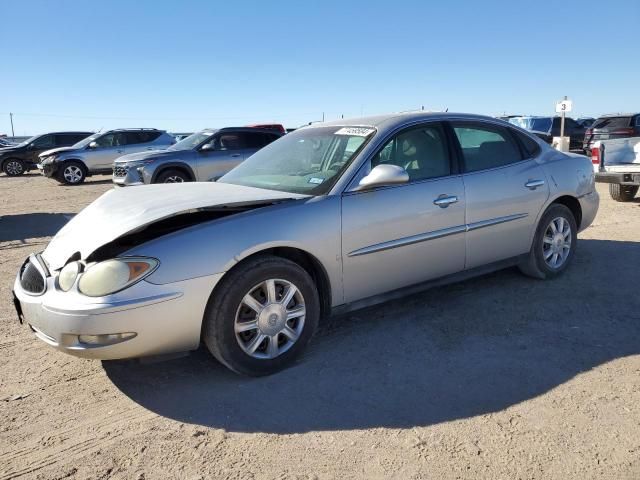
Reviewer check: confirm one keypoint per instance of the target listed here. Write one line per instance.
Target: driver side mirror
(93, 145)
(383, 175)
(207, 147)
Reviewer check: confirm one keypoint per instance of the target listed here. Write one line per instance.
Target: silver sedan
(331, 217)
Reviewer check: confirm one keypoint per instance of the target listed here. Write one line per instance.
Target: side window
(422, 152)
(64, 139)
(530, 146)
(115, 139)
(229, 141)
(46, 141)
(253, 140)
(638, 121)
(485, 146)
(133, 138)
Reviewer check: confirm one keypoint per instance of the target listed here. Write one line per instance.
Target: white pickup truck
(617, 162)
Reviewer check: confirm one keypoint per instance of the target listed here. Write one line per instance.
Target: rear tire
(172, 176)
(554, 244)
(622, 193)
(242, 337)
(13, 167)
(72, 173)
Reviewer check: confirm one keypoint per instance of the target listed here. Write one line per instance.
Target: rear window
(612, 122)
(530, 146)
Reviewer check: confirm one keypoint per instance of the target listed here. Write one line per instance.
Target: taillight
(595, 155)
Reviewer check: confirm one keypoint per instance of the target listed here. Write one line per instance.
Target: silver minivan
(96, 154)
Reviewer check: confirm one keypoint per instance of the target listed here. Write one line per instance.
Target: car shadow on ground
(31, 225)
(449, 353)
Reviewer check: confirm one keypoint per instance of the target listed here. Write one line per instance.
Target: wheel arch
(4, 161)
(573, 204)
(181, 166)
(304, 259)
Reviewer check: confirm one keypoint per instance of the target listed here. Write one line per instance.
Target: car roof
(398, 119)
(610, 115)
(134, 130)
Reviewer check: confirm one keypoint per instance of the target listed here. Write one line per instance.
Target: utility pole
(11, 118)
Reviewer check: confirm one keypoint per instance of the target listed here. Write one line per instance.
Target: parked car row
(583, 132)
(136, 156)
(331, 217)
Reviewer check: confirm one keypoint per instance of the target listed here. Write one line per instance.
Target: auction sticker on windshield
(357, 131)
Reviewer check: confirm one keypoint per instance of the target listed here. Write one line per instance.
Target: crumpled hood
(46, 153)
(124, 210)
(133, 157)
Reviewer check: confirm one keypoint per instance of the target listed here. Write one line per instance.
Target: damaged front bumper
(48, 169)
(144, 319)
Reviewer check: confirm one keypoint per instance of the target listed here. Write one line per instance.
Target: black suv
(551, 127)
(20, 158)
(617, 125)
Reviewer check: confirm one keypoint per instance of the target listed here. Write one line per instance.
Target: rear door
(504, 188)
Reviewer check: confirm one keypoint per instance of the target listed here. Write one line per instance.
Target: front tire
(554, 244)
(262, 315)
(72, 173)
(172, 176)
(14, 167)
(622, 193)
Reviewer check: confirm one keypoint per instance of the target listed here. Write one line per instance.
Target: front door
(400, 235)
(505, 190)
(108, 147)
(225, 151)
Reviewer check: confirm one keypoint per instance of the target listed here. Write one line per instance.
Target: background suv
(551, 127)
(20, 158)
(607, 127)
(96, 153)
(202, 156)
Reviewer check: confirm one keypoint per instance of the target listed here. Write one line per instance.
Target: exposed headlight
(68, 275)
(114, 275)
(48, 160)
(140, 163)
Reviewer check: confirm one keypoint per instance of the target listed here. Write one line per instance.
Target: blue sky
(193, 64)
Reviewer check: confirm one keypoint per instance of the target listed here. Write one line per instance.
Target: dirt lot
(497, 377)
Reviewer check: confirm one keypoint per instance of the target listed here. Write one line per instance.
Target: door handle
(533, 184)
(443, 201)
(119, 151)
(235, 155)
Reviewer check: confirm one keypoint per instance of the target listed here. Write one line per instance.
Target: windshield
(28, 140)
(306, 161)
(83, 143)
(192, 140)
(539, 124)
(612, 122)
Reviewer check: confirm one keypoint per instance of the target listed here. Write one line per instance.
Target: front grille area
(119, 171)
(31, 279)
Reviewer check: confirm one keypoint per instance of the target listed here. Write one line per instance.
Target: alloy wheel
(174, 179)
(14, 167)
(556, 242)
(73, 174)
(270, 319)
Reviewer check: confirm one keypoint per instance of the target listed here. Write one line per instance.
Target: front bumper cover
(165, 318)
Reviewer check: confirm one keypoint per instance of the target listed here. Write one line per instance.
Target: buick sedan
(331, 217)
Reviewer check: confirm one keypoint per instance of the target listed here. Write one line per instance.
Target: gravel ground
(497, 377)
